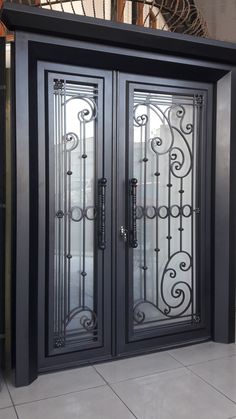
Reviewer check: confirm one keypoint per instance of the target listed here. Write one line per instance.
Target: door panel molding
(225, 210)
(25, 285)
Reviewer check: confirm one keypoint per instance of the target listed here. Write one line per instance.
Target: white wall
(221, 18)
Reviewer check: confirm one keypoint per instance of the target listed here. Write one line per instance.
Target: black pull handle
(133, 214)
(102, 183)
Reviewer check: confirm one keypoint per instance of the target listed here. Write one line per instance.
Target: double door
(123, 181)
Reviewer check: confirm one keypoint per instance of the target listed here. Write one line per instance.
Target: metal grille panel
(166, 131)
(75, 113)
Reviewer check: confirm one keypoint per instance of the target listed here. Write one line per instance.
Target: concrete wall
(221, 18)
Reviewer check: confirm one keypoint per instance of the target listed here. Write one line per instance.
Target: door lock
(124, 233)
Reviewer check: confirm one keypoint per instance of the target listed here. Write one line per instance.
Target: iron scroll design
(173, 148)
(102, 213)
(133, 214)
(75, 317)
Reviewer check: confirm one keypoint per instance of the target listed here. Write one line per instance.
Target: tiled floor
(190, 383)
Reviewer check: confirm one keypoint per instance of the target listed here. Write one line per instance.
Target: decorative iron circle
(190, 211)
(90, 209)
(76, 214)
(163, 216)
(172, 208)
(139, 212)
(151, 212)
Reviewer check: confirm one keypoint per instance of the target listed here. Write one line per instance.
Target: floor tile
(136, 367)
(220, 373)
(174, 395)
(203, 352)
(55, 384)
(8, 413)
(5, 400)
(99, 403)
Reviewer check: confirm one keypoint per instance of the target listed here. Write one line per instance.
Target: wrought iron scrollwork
(133, 214)
(75, 112)
(180, 296)
(102, 213)
(87, 317)
(164, 135)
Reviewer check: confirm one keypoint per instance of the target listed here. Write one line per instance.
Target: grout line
(90, 388)
(106, 383)
(6, 407)
(9, 407)
(139, 376)
(212, 386)
(206, 382)
(13, 405)
(58, 395)
(98, 373)
(117, 395)
(178, 361)
(202, 362)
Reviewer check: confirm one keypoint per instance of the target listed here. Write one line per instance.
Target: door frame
(2, 195)
(131, 49)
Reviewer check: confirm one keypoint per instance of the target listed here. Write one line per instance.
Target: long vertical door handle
(102, 183)
(133, 214)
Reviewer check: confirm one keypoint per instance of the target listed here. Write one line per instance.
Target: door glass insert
(75, 110)
(164, 135)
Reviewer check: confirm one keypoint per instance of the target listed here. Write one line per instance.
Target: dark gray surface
(2, 196)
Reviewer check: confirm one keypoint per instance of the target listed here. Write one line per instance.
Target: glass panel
(75, 115)
(165, 133)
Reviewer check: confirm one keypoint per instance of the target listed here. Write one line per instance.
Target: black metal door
(74, 114)
(160, 290)
(163, 218)
(40, 318)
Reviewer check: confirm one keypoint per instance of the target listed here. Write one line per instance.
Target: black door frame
(136, 50)
(2, 195)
